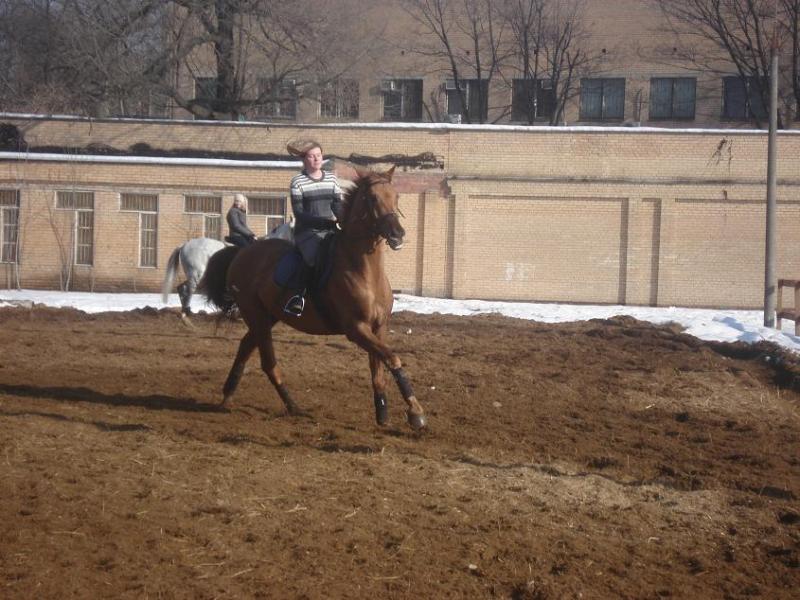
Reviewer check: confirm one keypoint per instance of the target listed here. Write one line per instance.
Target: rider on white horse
(240, 233)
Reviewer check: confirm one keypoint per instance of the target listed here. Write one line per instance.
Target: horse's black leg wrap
(402, 382)
(381, 409)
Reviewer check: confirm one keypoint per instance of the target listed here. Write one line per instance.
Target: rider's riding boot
(296, 304)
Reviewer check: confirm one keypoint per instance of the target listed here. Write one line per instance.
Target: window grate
(75, 200)
(270, 206)
(84, 238)
(203, 204)
(212, 226)
(139, 202)
(148, 227)
(9, 198)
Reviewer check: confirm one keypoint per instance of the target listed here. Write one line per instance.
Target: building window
(672, 97)
(339, 99)
(532, 99)
(84, 237)
(206, 90)
(742, 99)
(211, 209)
(212, 226)
(476, 95)
(273, 208)
(83, 205)
(276, 99)
(148, 239)
(75, 200)
(147, 207)
(402, 99)
(202, 204)
(602, 99)
(9, 226)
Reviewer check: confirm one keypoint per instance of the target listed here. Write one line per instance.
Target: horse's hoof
(295, 411)
(382, 415)
(417, 421)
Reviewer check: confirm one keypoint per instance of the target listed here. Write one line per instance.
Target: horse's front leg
(379, 389)
(363, 335)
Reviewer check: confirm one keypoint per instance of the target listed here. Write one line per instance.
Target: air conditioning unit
(389, 85)
(449, 84)
(547, 84)
(454, 119)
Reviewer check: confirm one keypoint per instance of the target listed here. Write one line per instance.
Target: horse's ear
(361, 171)
(389, 173)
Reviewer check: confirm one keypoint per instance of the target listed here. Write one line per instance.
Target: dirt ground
(605, 459)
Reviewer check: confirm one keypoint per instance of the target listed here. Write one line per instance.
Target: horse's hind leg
(185, 294)
(246, 347)
(270, 366)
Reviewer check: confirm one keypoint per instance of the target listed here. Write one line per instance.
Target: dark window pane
(392, 105)
(591, 99)
(340, 99)
(684, 96)
(528, 105)
(735, 98)
(454, 104)
(758, 108)
(614, 99)
(660, 98)
(546, 99)
(412, 100)
(276, 99)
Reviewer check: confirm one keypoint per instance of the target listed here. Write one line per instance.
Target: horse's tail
(169, 276)
(214, 285)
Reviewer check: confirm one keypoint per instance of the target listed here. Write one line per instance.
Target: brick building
(636, 72)
(586, 214)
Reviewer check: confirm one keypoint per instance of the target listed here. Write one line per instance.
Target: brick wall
(632, 216)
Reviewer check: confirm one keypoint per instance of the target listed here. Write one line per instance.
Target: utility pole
(770, 281)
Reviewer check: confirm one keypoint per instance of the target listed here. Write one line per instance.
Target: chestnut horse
(356, 301)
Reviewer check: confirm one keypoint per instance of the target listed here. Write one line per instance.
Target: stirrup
(295, 305)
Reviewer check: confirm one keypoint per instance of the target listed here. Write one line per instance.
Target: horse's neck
(362, 254)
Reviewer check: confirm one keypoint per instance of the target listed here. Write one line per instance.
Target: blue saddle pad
(290, 270)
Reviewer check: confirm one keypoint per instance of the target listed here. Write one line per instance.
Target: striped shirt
(315, 202)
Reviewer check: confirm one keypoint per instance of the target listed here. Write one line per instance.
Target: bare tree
(715, 35)
(549, 44)
(122, 57)
(791, 23)
(466, 41)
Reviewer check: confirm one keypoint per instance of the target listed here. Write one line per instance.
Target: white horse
(193, 257)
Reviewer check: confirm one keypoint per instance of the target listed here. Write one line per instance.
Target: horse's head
(373, 208)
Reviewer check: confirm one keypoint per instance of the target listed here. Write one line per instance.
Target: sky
(705, 324)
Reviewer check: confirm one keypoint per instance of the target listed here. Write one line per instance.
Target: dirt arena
(606, 459)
